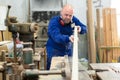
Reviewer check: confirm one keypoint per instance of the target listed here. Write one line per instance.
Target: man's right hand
(71, 38)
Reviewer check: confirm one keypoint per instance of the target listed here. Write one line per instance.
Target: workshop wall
(18, 9)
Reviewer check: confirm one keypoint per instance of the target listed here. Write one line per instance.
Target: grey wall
(79, 9)
(18, 8)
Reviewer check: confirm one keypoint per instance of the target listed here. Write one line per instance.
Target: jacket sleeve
(55, 35)
(79, 23)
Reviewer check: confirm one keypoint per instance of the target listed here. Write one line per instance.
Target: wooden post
(91, 33)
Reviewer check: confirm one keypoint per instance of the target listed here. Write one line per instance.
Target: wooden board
(107, 75)
(7, 35)
(0, 36)
(101, 66)
(110, 36)
(115, 41)
(107, 71)
(107, 34)
(84, 76)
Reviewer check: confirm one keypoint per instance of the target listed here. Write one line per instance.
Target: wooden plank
(104, 36)
(99, 66)
(75, 56)
(83, 75)
(110, 47)
(98, 43)
(0, 36)
(108, 75)
(115, 41)
(110, 34)
(7, 35)
(103, 66)
(106, 71)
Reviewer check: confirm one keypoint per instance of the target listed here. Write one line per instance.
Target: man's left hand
(79, 29)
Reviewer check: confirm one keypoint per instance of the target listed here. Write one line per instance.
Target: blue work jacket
(58, 43)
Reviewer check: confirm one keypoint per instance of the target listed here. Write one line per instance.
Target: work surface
(101, 71)
(107, 71)
(83, 76)
(56, 65)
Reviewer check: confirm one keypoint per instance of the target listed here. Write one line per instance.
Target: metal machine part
(27, 56)
(64, 71)
(34, 73)
(43, 16)
(23, 28)
(3, 70)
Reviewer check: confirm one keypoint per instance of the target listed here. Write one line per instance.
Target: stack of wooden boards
(106, 71)
(108, 42)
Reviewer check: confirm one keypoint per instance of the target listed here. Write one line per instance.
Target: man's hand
(79, 29)
(71, 38)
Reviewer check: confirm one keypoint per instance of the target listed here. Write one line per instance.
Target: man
(60, 33)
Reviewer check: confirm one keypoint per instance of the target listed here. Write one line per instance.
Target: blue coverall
(58, 43)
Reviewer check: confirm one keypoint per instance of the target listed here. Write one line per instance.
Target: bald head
(67, 13)
(67, 8)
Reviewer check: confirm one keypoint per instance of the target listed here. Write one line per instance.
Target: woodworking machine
(21, 28)
(2, 70)
(33, 74)
(63, 68)
(26, 31)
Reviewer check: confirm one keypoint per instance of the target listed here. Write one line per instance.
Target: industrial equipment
(22, 28)
(3, 70)
(26, 34)
(65, 70)
(26, 30)
(33, 74)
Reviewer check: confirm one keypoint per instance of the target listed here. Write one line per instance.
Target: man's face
(67, 15)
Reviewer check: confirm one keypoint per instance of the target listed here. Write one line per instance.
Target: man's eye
(66, 15)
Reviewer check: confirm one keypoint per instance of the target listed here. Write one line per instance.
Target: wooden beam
(91, 33)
